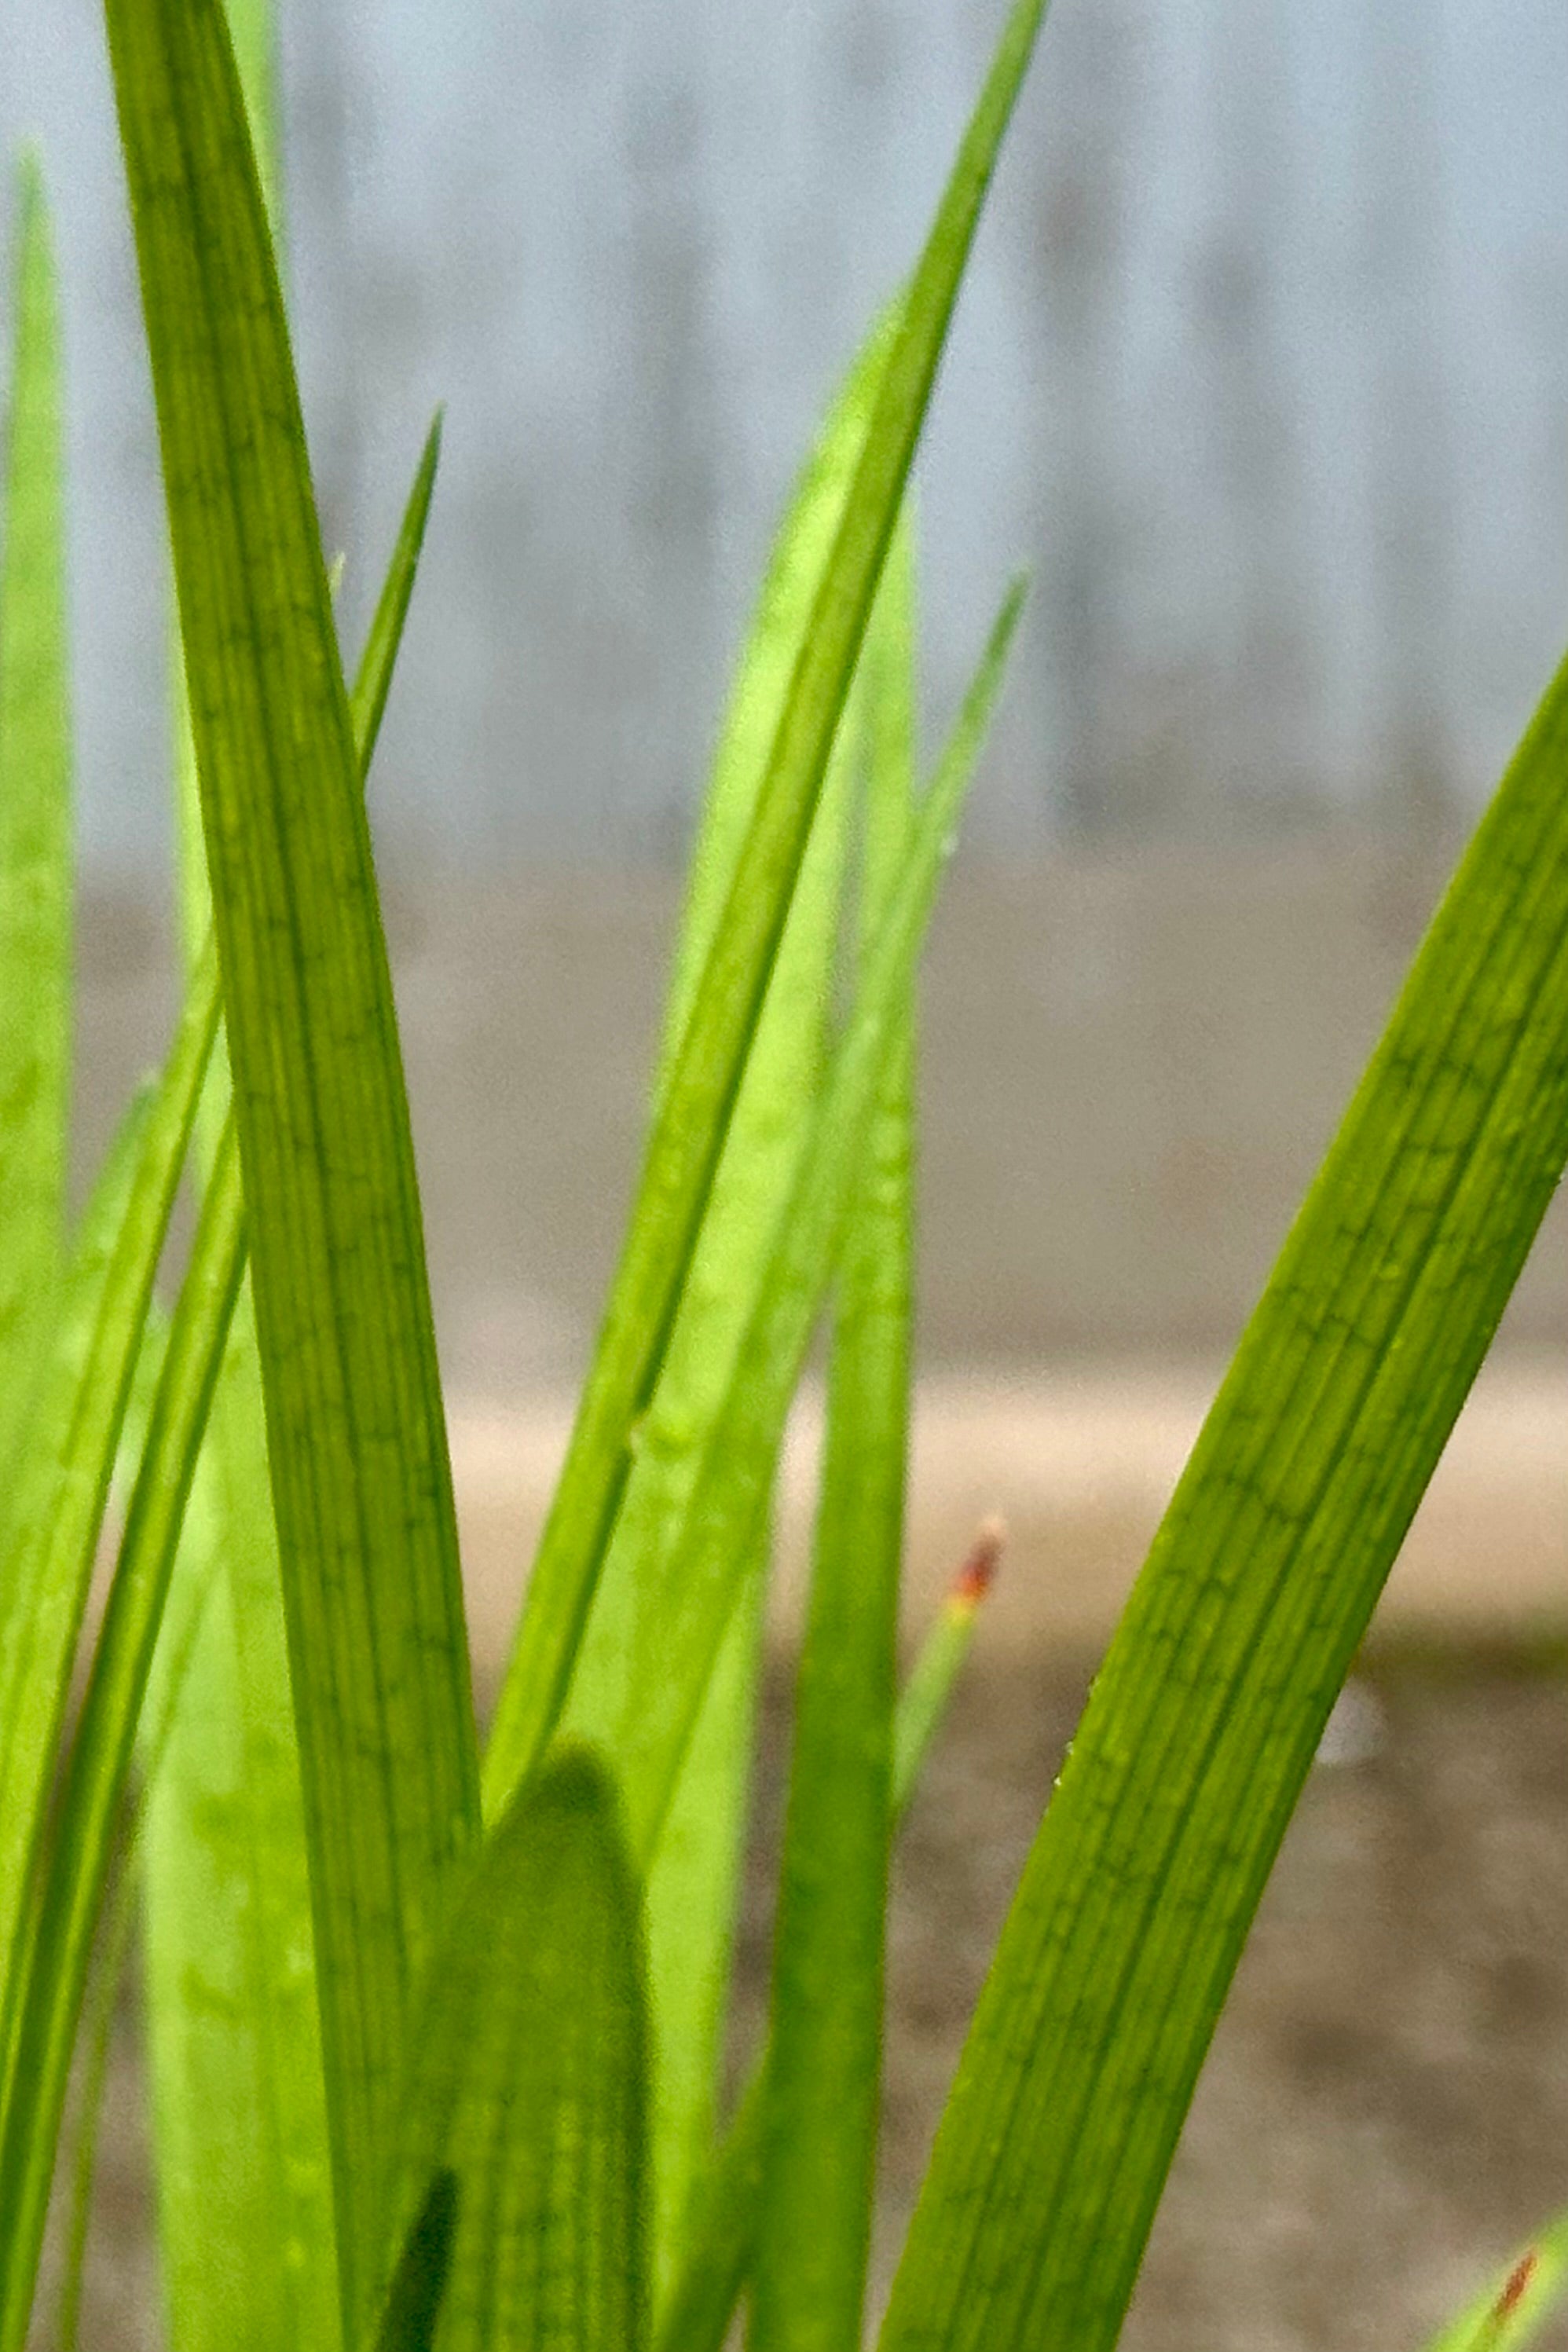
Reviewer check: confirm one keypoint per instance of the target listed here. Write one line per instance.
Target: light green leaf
(691, 1887)
(696, 1102)
(253, 30)
(62, 1478)
(690, 1896)
(34, 823)
(689, 1906)
(691, 1585)
(378, 659)
(526, 2084)
(695, 1880)
(69, 1893)
(820, 2152)
(360, 1479)
(1204, 1718)
(799, 563)
(924, 1699)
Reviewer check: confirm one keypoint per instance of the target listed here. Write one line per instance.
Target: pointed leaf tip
(419, 2283)
(980, 1563)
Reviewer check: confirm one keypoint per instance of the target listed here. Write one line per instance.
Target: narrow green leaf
(819, 2166)
(526, 2084)
(692, 1888)
(378, 659)
(69, 1897)
(253, 29)
(695, 1880)
(691, 1585)
(691, 1893)
(98, 2046)
(799, 562)
(70, 1441)
(361, 1478)
(720, 2237)
(34, 823)
(924, 1699)
(1510, 2313)
(721, 2229)
(697, 1101)
(238, 2102)
(692, 1885)
(1204, 1718)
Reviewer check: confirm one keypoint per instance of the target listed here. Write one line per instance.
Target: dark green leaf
(360, 1479)
(419, 2283)
(526, 2084)
(238, 2101)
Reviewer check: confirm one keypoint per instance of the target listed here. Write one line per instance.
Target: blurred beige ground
(1080, 1466)
(1131, 1061)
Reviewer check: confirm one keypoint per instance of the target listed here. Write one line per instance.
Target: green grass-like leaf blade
(692, 1885)
(526, 2084)
(720, 2231)
(690, 1896)
(691, 1587)
(361, 1478)
(819, 2168)
(1201, 1726)
(56, 1505)
(50, 1530)
(35, 887)
(69, 1897)
(697, 1101)
(238, 2102)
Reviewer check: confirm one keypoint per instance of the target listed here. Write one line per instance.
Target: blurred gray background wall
(1262, 369)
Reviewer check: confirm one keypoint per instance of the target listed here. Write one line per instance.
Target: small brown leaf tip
(976, 1578)
(1513, 2288)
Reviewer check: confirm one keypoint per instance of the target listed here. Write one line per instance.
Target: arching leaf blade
(691, 1892)
(692, 1884)
(691, 1585)
(1203, 1724)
